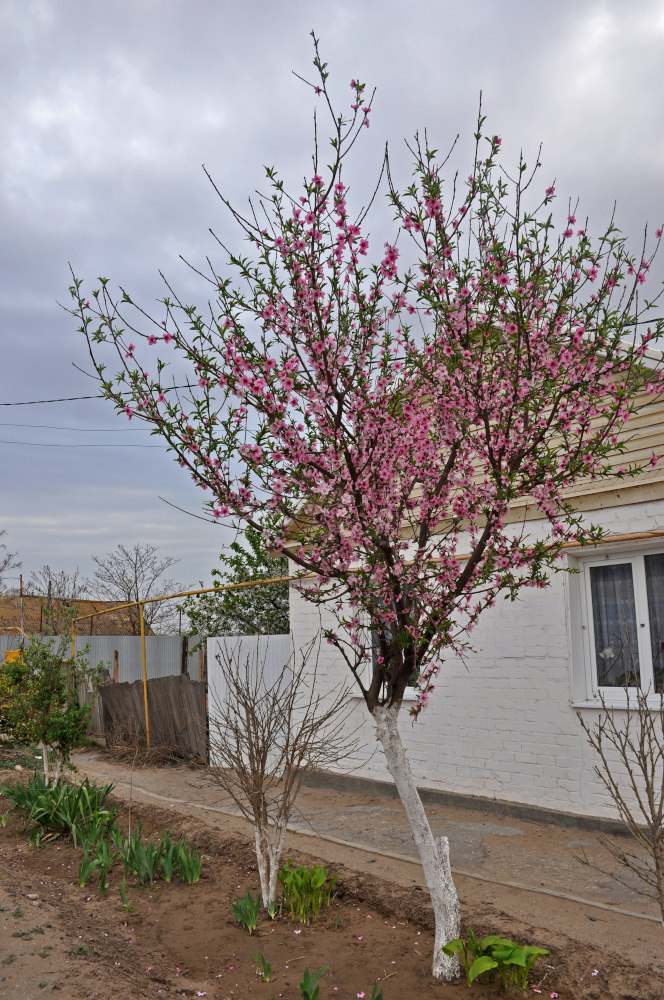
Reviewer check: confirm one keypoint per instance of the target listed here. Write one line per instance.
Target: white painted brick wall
(501, 725)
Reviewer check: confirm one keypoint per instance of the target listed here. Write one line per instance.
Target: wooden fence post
(116, 666)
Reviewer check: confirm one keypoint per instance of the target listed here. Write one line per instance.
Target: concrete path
(490, 842)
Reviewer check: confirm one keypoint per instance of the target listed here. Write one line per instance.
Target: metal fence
(269, 653)
(121, 655)
(144, 656)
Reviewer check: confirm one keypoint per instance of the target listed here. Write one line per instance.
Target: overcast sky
(108, 108)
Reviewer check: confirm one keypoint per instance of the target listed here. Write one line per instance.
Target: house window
(622, 607)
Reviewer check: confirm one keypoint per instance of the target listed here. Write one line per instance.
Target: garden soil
(516, 877)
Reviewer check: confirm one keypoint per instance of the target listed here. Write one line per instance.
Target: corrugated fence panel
(163, 654)
(8, 642)
(270, 653)
(163, 658)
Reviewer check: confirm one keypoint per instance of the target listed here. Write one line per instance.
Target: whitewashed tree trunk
(263, 864)
(434, 852)
(269, 847)
(44, 750)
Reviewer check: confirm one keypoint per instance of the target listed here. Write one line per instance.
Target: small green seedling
(263, 967)
(309, 986)
(246, 910)
(122, 889)
(86, 867)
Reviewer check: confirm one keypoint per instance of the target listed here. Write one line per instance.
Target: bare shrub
(126, 744)
(265, 737)
(635, 782)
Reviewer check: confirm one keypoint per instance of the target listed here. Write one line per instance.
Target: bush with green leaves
(482, 958)
(63, 810)
(39, 698)
(81, 812)
(246, 610)
(306, 890)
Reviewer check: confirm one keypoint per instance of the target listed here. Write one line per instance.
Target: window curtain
(655, 589)
(614, 619)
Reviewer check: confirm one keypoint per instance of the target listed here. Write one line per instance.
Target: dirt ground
(182, 941)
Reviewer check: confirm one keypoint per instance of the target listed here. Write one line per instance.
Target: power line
(71, 399)
(83, 430)
(48, 444)
(62, 399)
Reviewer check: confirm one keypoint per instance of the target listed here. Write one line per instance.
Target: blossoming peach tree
(378, 421)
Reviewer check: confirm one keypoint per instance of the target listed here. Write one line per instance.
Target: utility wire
(62, 399)
(48, 444)
(84, 430)
(70, 399)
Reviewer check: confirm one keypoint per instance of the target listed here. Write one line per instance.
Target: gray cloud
(108, 111)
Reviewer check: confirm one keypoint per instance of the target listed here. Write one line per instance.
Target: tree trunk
(44, 750)
(263, 864)
(269, 846)
(434, 852)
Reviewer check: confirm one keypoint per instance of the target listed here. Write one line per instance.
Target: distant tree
(58, 591)
(8, 561)
(248, 610)
(136, 573)
(65, 586)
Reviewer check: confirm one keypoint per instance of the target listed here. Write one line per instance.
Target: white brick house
(503, 723)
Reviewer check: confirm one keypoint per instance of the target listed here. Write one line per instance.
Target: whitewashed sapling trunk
(45, 768)
(269, 847)
(434, 852)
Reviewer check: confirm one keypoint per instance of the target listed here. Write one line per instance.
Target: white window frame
(586, 691)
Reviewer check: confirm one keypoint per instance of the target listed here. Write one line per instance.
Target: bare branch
(630, 746)
(266, 737)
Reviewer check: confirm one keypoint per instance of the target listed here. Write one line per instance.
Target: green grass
(19, 754)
